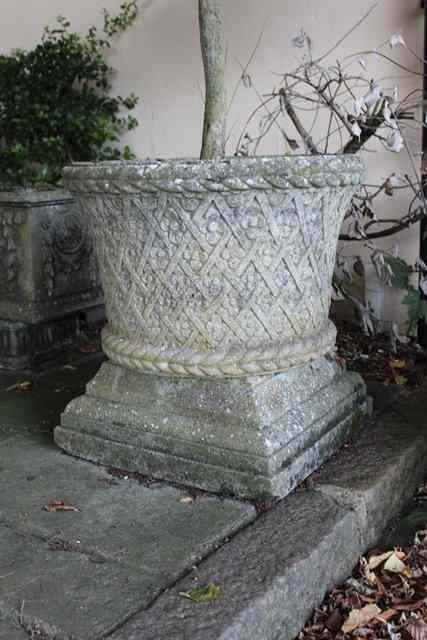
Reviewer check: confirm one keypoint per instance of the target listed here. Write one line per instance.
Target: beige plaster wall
(159, 60)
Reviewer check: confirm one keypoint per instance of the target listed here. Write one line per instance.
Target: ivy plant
(55, 102)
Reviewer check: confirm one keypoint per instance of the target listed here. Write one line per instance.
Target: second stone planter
(49, 280)
(217, 279)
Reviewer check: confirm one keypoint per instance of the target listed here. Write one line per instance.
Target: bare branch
(297, 122)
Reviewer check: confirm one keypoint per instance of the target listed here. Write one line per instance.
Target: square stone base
(251, 437)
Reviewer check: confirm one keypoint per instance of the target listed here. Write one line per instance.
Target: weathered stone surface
(217, 276)
(246, 436)
(216, 268)
(119, 518)
(80, 594)
(402, 532)
(271, 571)
(37, 411)
(380, 472)
(383, 396)
(87, 571)
(48, 271)
(10, 631)
(270, 576)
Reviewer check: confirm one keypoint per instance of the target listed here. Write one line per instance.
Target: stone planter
(217, 278)
(48, 275)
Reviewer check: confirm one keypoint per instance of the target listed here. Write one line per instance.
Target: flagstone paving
(84, 571)
(115, 564)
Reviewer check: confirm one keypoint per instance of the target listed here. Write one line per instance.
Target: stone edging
(273, 573)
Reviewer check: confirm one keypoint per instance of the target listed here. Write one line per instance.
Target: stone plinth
(248, 436)
(49, 277)
(217, 279)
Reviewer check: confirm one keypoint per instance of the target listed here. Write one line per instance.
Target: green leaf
(400, 272)
(202, 595)
(417, 308)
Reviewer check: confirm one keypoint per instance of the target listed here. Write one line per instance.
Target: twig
(297, 123)
(246, 67)
(347, 34)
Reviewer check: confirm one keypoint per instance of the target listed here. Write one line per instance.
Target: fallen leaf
(368, 574)
(393, 634)
(60, 505)
(24, 386)
(20, 386)
(417, 629)
(400, 379)
(375, 561)
(366, 599)
(420, 536)
(394, 564)
(380, 586)
(88, 348)
(359, 587)
(202, 595)
(397, 364)
(186, 500)
(358, 617)
(386, 615)
(334, 622)
(411, 606)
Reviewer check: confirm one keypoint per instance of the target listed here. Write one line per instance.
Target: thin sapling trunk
(213, 55)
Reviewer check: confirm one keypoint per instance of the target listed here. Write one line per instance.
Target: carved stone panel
(47, 263)
(10, 226)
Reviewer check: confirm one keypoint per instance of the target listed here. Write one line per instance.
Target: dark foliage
(55, 103)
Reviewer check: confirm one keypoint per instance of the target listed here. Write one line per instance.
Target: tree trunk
(213, 54)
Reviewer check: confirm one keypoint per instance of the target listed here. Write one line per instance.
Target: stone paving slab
(11, 630)
(114, 569)
(84, 598)
(379, 473)
(263, 574)
(143, 526)
(38, 409)
(83, 573)
(273, 573)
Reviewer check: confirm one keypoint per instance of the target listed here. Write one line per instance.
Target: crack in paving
(35, 628)
(186, 572)
(57, 543)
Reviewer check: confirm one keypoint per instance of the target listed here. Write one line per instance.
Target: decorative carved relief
(218, 268)
(66, 248)
(10, 221)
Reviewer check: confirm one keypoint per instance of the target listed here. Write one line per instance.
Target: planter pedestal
(49, 279)
(217, 278)
(250, 437)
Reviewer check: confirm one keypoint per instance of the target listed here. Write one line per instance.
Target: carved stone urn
(217, 278)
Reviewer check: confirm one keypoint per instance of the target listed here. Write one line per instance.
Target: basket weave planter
(217, 279)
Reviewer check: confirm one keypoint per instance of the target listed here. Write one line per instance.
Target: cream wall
(159, 60)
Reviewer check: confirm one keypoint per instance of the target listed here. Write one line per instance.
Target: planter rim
(21, 194)
(237, 173)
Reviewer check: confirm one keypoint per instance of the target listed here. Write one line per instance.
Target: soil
(374, 358)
